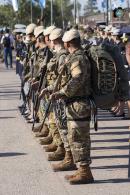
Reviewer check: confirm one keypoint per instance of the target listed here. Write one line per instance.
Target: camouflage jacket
(78, 76)
(53, 67)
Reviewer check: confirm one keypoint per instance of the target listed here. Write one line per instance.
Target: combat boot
(59, 154)
(43, 133)
(82, 176)
(46, 140)
(66, 165)
(50, 148)
(37, 128)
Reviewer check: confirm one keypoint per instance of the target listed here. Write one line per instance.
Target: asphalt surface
(24, 169)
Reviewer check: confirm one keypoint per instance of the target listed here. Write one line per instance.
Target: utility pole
(31, 11)
(75, 11)
(128, 5)
(62, 14)
(111, 15)
(51, 12)
(107, 6)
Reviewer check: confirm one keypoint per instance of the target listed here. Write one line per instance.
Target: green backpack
(103, 77)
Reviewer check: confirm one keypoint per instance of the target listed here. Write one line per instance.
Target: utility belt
(74, 99)
(80, 119)
(93, 116)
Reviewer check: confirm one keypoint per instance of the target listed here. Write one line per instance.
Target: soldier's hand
(35, 85)
(29, 80)
(56, 96)
(43, 93)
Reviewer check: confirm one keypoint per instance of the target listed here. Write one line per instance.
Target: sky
(115, 3)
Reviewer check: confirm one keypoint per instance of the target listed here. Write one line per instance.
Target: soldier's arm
(76, 81)
(60, 63)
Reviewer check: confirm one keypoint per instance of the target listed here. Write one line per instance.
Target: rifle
(36, 103)
(54, 90)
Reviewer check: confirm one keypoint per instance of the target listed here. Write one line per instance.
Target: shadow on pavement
(113, 181)
(126, 147)
(9, 86)
(112, 167)
(112, 133)
(111, 156)
(110, 119)
(11, 154)
(6, 117)
(6, 92)
(117, 127)
(8, 110)
(111, 140)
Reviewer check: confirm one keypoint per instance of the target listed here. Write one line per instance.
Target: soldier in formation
(57, 90)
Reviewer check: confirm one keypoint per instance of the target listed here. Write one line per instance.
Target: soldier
(30, 47)
(42, 54)
(76, 92)
(59, 107)
(29, 65)
(107, 35)
(38, 129)
(116, 36)
(52, 73)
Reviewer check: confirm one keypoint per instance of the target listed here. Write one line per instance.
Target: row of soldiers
(56, 89)
(57, 71)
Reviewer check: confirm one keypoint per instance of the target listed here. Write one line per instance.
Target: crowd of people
(56, 89)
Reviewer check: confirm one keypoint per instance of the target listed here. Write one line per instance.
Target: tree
(60, 14)
(90, 8)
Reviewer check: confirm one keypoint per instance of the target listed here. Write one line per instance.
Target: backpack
(104, 81)
(6, 41)
(122, 74)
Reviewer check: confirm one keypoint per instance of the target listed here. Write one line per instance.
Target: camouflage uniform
(52, 74)
(77, 90)
(42, 52)
(59, 105)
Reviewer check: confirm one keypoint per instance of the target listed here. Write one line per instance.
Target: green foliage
(23, 16)
(6, 15)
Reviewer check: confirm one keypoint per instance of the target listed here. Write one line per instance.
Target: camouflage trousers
(78, 123)
(42, 108)
(54, 129)
(50, 122)
(61, 122)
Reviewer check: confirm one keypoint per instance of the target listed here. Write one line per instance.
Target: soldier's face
(47, 41)
(37, 43)
(66, 45)
(52, 45)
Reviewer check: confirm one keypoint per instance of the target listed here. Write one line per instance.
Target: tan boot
(46, 140)
(43, 133)
(68, 177)
(37, 128)
(66, 165)
(59, 154)
(83, 176)
(50, 148)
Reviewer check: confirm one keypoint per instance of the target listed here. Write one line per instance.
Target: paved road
(24, 169)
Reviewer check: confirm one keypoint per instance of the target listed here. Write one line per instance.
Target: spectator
(7, 41)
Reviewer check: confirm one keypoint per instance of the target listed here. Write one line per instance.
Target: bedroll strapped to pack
(103, 77)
